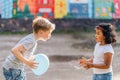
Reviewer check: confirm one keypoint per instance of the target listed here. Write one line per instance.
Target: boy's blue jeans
(106, 76)
(14, 74)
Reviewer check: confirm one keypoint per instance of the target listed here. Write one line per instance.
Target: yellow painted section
(60, 8)
(14, 11)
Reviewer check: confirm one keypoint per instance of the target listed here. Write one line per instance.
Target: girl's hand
(88, 65)
(85, 63)
(82, 61)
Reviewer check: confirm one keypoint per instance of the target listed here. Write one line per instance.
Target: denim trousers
(14, 74)
(106, 76)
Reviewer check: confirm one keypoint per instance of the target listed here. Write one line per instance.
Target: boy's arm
(32, 57)
(17, 51)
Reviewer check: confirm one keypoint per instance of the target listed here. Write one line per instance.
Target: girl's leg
(94, 77)
(107, 76)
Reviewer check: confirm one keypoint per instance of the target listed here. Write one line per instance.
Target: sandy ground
(63, 51)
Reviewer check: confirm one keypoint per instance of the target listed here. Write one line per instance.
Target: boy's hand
(32, 64)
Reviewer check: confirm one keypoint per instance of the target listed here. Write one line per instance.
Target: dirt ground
(63, 51)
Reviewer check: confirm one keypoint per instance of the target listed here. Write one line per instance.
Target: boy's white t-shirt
(99, 52)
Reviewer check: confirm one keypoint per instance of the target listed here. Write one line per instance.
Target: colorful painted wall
(0, 8)
(32, 8)
(116, 9)
(98, 9)
(45, 8)
(79, 8)
(103, 9)
(60, 8)
(6, 8)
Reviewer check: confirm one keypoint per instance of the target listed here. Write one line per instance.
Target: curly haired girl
(103, 52)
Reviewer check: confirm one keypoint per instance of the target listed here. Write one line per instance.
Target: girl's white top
(99, 52)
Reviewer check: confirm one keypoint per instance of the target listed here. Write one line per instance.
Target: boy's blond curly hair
(40, 23)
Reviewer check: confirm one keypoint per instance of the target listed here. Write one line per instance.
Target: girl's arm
(84, 60)
(17, 51)
(106, 65)
(90, 60)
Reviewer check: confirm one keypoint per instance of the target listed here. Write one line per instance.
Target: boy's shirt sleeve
(27, 44)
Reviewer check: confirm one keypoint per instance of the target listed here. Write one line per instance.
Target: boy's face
(45, 35)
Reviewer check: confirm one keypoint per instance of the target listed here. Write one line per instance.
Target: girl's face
(99, 36)
(45, 35)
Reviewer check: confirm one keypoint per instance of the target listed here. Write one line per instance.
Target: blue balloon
(43, 64)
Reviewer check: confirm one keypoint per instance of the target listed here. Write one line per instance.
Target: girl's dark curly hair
(108, 32)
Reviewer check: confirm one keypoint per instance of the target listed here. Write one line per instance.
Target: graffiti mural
(78, 9)
(0, 8)
(33, 8)
(103, 9)
(116, 9)
(23, 8)
(60, 8)
(98, 9)
(45, 8)
(6, 8)
(90, 8)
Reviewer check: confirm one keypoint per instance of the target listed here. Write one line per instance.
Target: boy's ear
(40, 31)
